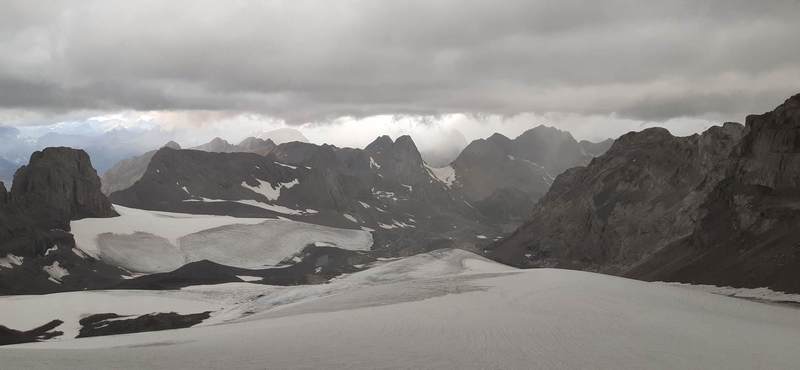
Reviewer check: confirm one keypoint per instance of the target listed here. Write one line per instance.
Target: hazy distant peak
(172, 145)
(283, 135)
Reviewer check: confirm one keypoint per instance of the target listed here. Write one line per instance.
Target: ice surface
(148, 241)
(446, 309)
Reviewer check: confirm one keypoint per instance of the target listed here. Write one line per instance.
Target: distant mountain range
(712, 208)
(106, 148)
(385, 190)
(493, 182)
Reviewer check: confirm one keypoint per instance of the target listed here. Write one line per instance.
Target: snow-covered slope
(150, 241)
(451, 309)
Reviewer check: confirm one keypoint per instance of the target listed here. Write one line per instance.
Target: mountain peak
(219, 140)
(405, 143)
(172, 145)
(547, 133)
(283, 135)
(255, 142)
(498, 137)
(380, 143)
(62, 181)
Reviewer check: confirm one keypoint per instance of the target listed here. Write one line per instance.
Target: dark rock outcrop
(179, 181)
(60, 184)
(44, 332)
(747, 235)
(57, 186)
(636, 198)
(113, 324)
(718, 208)
(3, 194)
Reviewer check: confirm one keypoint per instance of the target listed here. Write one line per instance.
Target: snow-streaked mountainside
(444, 309)
(148, 241)
(386, 188)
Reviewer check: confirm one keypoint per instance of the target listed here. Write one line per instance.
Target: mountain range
(385, 190)
(713, 208)
(233, 233)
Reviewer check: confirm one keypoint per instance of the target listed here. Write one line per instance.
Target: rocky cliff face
(58, 185)
(642, 194)
(3, 194)
(716, 208)
(747, 235)
(769, 154)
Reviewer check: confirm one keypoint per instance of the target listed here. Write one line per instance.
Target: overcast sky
(597, 68)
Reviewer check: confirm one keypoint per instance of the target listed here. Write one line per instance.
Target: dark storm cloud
(304, 60)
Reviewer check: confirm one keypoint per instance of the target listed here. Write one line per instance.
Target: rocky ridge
(716, 208)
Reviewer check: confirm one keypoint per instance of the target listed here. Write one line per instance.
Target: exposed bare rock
(57, 186)
(3, 194)
(769, 154)
(642, 194)
(112, 324)
(44, 332)
(60, 184)
(748, 235)
(719, 208)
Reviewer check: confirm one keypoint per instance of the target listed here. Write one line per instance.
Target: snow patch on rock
(445, 175)
(10, 260)
(56, 272)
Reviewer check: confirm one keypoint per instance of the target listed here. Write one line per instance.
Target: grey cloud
(312, 60)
